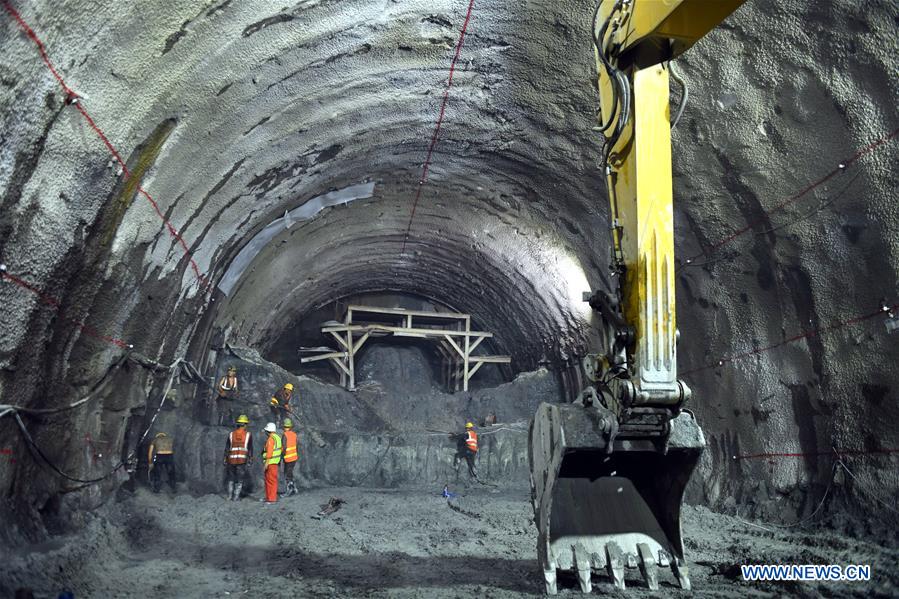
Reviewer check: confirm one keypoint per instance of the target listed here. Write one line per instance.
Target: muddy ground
(389, 543)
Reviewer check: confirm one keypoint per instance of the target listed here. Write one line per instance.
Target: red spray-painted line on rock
(841, 167)
(72, 98)
(838, 452)
(436, 134)
(760, 350)
(57, 305)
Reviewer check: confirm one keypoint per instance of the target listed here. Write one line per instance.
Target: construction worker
(227, 392)
(271, 457)
(467, 449)
(280, 402)
(291, 455)
(238, 453)
(161, 456)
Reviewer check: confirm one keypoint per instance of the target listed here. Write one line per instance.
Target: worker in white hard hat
(271, 458)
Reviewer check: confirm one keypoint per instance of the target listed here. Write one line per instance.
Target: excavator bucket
(606, 503)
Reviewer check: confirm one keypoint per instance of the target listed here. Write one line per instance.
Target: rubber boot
(237, 489)
(231, 490)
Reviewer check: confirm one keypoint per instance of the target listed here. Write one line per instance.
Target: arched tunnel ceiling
(233, 112)
(258, 109)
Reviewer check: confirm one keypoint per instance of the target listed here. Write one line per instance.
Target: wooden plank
(474, 345)
(475, 369)
(403, 312)
(465, 357)
(359, 328)
(341, 367)
(491, 359)
(360, 342)
(340, 339)
(455, 346)
(341, 354)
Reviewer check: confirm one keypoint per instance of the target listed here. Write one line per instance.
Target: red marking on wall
(760, 350)
(838, 453)
(73, 98)
(424, 171)
(799, 194)
(55, 303)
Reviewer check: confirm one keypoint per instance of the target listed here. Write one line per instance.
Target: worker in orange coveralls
(271, 458)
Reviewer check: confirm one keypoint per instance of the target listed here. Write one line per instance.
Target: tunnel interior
(190, 186)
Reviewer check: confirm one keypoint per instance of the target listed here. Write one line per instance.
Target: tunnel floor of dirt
(391, 543)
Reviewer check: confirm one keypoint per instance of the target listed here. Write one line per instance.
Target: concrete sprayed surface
(387, 543)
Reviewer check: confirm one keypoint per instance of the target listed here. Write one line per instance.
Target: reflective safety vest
(471, 440)
(291, 454)
(240, 446)
(272, 453)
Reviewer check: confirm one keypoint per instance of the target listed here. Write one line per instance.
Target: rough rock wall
(231, 113)
(376, 436)
(781, 94)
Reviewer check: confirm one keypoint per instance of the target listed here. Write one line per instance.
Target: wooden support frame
(451, 331)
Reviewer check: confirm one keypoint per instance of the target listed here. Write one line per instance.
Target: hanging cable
(36, 450)
(685, 93)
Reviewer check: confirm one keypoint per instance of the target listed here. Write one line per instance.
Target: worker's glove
(274, 402)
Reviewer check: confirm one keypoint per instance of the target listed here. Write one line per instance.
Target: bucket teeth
(549, 576)
(681, 572)
(582, 564)
(664, 560)
(648, 566)
(615, 561)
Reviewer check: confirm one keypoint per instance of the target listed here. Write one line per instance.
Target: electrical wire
(174, 369)
(865, 489)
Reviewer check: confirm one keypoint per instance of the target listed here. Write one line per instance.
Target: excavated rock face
(231, 114)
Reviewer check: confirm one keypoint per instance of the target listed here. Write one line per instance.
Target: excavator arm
(608, 472)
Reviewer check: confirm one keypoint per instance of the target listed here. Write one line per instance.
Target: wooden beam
(374, 328)
(360, 342)
(403, 312)
(474, 369)
(491, 359)
(455, 346)
(465, 359)
(339, 354)
(474, 345)
(340, 339)
(341, 367)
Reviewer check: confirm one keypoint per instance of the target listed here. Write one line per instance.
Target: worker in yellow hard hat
(238, 453)
(291, 455)
(161, 457)
(467, 449)
(280, 402)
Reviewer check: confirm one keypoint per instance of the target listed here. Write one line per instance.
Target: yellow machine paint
(608, 471)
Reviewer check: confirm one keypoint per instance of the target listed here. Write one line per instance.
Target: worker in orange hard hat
(227, 393)
(291, 455)
(280, 402)
(467, 449)
(271, 457)
(238, 453)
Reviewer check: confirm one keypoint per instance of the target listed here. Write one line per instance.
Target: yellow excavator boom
(608, 471)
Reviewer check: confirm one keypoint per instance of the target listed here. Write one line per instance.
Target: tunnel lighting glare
(572, 273)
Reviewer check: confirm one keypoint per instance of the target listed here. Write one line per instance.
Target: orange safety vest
(240, 446)
(472, 440)
(291, 454)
